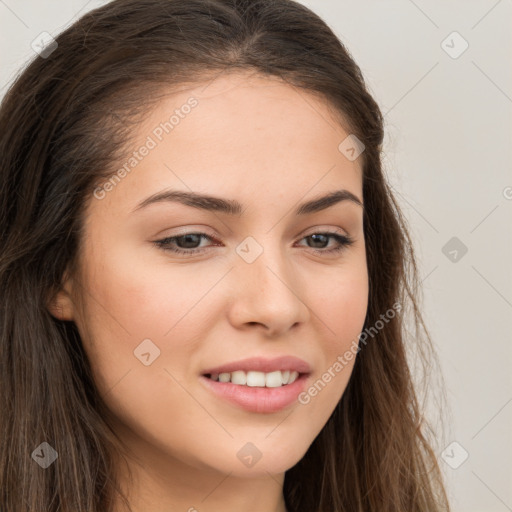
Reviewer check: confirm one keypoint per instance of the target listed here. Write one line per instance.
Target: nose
(267, 293)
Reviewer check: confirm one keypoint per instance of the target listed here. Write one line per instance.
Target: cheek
(341, 303)
(341, 309)
(128, 301)
(347, 314)
(126, 305)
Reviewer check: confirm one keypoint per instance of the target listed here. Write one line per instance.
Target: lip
(257, 399)
(260, 364)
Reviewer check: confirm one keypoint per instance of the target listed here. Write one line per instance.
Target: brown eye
(322, 239)
(188, 243)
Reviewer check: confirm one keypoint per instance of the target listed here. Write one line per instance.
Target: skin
(270, 146)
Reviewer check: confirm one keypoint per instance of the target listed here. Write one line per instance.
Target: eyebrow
(233, 207)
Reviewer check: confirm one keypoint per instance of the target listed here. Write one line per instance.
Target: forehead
(235, 134)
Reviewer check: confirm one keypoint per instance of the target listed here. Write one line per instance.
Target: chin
(258, 459)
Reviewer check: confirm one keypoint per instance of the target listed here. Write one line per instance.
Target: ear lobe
(61, 308)
(60, 305)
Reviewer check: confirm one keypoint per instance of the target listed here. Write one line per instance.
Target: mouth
(257, 392)
(275, 379)
(259, 384)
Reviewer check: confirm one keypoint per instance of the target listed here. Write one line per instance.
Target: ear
(60, 304)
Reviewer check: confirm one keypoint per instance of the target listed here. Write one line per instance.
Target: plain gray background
(448, 156)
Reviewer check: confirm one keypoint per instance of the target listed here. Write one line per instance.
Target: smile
(254, 396)
(256, 379)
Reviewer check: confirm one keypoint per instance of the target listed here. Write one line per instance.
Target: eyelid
(188, 230)
(343, 242)
(322, 228)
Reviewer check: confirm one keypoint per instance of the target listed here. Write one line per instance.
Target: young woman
(204, 274)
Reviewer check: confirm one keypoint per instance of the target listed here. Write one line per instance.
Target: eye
(190, 242)
(342, 241)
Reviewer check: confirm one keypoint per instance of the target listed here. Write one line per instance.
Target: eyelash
(164, 244)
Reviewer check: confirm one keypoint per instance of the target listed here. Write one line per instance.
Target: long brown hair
(63, 123)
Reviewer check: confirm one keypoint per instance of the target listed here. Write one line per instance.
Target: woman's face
(252, 283)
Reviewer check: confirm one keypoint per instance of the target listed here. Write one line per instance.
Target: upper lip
(260, 364)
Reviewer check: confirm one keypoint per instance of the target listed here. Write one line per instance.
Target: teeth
(238, 378)
(274, 379)
(293, 377)
(257, 379)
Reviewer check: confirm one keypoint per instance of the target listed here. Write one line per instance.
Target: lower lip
(257, 399)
